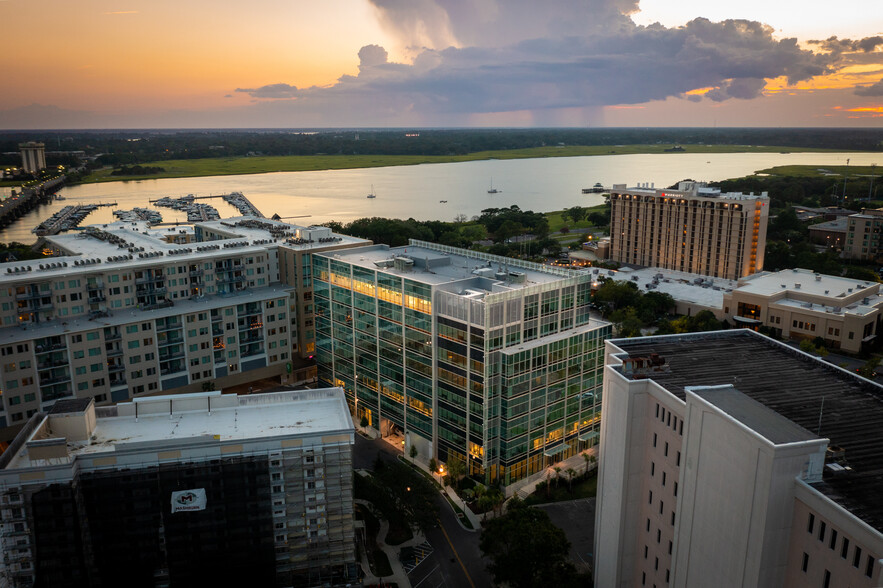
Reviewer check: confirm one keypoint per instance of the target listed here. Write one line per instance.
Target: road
(456, 560)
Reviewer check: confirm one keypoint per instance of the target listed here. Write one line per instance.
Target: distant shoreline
(225, 166)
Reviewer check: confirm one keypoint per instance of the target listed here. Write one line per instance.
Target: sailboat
(371, 194)
(493, 190)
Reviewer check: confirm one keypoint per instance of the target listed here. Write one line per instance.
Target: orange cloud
(866, 109)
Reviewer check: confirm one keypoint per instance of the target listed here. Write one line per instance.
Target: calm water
(416, 191)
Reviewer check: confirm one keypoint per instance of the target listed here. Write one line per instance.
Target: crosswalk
(411, 557)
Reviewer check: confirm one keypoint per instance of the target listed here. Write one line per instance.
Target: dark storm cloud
(835, 45)
(486, 56)
(872, 90)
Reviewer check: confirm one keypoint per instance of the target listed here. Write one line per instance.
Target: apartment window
(672, 518)
(805, 564)
(661, 506)
(822, 528)
(656, 564)
(648, 525)
(645, 552)
(844, 548)
(679, 459)
(857, 556)
(670, 546)
(652, 468)
(811, 524)
(826, 583)
(654, 439)
(663, 478)
(659, 536)
(833, 543)
(650, 498)
(666, 449)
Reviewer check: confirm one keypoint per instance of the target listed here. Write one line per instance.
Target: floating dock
(68, 217)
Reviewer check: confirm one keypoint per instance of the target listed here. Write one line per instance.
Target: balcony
(115, 367)
(171, 356)
(95, 285)
(117, 382)
(97, 298)
(155, 305)
(170, 341)
(151, 291)
(52, 363)
(46, 348)
(115, 352)
(112, 336)
(196, 272)
(149, 279)
(33, 294)
(168, 326)
(54, 380)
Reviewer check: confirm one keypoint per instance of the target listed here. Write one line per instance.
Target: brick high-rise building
(693, 229)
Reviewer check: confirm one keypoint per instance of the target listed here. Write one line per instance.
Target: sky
(430, 63)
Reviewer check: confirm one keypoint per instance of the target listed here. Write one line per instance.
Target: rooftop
(207, 417)
(794, 385)
(686, 189)
(454, 269)
(839, 224)
(802, 282)
(706, 291)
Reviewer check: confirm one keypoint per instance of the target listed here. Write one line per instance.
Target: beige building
(800, 304)
(33, 156)
(121, 313)
(728, 460)
(693, 229)
(863, 235)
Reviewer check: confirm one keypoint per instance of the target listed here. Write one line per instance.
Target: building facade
(863, 235)
(800, 304)
(33, 156)
(693, 229)
(729, 459)
(121, 313)
(491, 360)
(187, 490)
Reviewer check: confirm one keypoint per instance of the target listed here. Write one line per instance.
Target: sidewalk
(399, 576)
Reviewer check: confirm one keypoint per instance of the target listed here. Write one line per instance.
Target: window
(822, 528)
(652, 468)
(666, 449)
(672, 518)
(869, 567)
(857, 556)
(833, 543)
(805, 564)
(826, 583)
(844, 548)
(654, 439)
(811, 524)
(679, 453)
(650, 499)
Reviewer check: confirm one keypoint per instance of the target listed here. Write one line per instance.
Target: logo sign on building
(184, 500)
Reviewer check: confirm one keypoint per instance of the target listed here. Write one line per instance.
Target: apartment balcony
(171, 356)
(97, 298)
(53, 363)
(117, 382)
(170, 341)
(168, 326)
(112, 336)
(33, 295)
(149, 279)
(155, 305)
(152, 291)
(116, 352)
(115, 367)
(50, 347)
(196, 272)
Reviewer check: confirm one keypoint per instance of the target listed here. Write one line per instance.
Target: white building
(728, 459)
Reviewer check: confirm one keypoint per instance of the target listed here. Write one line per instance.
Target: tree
(456, 469)
(557, 475)
(413, 452)
(577, 213)
(364, 422)
(404, 495)
(526, 550)
(588, 459)
(433, 465)
(570, 474)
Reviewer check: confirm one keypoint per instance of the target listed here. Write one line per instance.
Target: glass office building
(492, 359)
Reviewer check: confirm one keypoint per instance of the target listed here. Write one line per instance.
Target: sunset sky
(298, 63)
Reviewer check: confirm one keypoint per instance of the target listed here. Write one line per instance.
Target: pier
(17, 205)
(235, 199)
(68, 217)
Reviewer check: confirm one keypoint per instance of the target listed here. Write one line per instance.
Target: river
(438, 191)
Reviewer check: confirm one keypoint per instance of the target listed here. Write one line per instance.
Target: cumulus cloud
(487, 56)
(872, 90)
(835, 45)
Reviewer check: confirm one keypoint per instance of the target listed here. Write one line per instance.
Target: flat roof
(449, 266)
(838, 225)
(803, 281)
(754, 415)
(560, 336)
(703, 290)
(794, 385)
(240, 418)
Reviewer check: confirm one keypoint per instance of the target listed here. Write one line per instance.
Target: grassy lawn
(583, 487)
(222, 166)
(812, 171)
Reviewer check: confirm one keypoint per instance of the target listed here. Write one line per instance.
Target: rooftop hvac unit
(404, 264)
(517, 277)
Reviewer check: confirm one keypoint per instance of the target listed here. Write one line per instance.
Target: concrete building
(121, 313)
(728, 459)
(197, 489)
(831, 234)
(693, 229)
(800, 304)
(863, 235)
(490, 359)
(33, 156)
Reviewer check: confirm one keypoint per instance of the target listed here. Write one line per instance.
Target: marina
(67, 218)
(196, 211)
(152, 217)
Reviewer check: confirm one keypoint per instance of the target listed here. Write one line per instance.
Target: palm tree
(557, 475)
(588, 459)
(570, 474)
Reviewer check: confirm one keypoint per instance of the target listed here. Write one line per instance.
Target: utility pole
(845, 177)
(871, 186)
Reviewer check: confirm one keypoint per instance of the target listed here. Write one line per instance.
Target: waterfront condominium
(123, 311)
(693, 229)
(490, 359)
(730, 459)
(198, 489)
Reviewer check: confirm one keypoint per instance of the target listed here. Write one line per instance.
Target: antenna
(821, 410)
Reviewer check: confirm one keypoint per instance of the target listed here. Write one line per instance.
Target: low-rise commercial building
(800, 304)
(728, 459)
(831, 234)
(196, 489)
(863, 235)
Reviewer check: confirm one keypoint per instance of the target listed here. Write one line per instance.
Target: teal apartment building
(492, 359)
